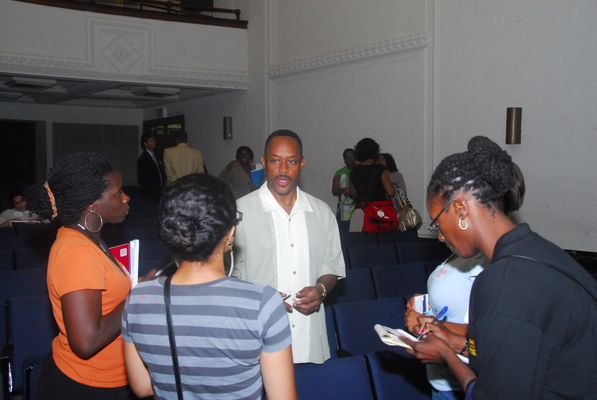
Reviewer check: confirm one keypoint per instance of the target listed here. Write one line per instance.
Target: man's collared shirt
(292, 255)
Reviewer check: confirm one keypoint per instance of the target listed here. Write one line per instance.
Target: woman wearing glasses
(533, 310)
(231, 338)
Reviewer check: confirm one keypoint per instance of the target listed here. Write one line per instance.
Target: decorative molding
(385, 47)
(47, 66)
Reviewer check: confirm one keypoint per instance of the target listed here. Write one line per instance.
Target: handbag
(408, 216)
(380, 216)
(173, 351)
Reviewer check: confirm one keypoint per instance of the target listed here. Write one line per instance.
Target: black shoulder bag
(171, 338)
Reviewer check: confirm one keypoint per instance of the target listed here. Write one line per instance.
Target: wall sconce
(513, 123)
(227, 128)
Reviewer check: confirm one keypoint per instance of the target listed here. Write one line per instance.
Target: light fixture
(513, 125)
(30, 83)
(157, 91)
(227, 128)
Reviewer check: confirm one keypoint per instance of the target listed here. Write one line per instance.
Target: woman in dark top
(533, 310)
(369, 181)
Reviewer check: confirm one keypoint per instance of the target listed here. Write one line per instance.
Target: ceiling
(47, 90)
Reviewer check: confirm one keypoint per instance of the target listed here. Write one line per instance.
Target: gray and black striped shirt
(221, 328)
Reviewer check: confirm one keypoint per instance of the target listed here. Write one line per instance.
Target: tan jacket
(182, 160)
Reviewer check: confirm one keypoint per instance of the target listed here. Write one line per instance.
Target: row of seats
(365, 239)
(384, 375)
(151, 254)
(381, 282)
(361, 366)
(393, 254)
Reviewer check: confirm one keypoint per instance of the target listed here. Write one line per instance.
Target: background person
(369, 181)
(237, 174)
(149, 169)
(87, 286)
(289, 240)
(387, 161)
(182, 159)
(18, 213)
(341, 187)
(448, 285)
(533, 310)
(229, 333)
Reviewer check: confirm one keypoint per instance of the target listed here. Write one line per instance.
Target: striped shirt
(221, 329)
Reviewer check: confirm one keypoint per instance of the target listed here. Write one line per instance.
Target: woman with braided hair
(533, 310)
(86, 285)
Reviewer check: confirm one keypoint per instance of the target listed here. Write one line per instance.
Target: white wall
(541, 56)
(52, 41)
(204, 116)
(344, 73)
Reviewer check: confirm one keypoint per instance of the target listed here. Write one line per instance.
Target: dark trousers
(54, 385)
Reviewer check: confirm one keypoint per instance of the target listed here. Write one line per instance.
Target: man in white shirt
(289, 240)
(19, 213)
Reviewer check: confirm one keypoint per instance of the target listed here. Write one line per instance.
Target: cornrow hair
(76, 182)
(484, 170)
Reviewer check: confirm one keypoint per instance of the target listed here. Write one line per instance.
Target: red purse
(380, 216)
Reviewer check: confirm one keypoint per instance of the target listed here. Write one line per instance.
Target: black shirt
(366, 180)
(533, 330)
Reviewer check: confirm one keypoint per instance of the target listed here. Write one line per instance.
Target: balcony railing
(172, 10)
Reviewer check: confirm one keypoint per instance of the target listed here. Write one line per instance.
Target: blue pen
(441, 314)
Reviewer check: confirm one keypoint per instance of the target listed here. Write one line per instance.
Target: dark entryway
(17, 156)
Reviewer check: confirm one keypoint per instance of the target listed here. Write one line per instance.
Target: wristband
(324, 291)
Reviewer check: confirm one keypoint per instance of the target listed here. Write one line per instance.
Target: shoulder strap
(171, 338)
(584, 285)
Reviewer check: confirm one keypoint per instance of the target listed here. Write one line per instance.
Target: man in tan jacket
(182, 159)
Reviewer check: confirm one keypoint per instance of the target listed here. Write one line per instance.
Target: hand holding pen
(438, 317)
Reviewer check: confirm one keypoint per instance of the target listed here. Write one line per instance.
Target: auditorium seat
(400, 280)
(357, 286)
(398, 375)
(32, 329)
(343, 378)
(422, 251)
(392, 237)
(355, 322)
(372, 256)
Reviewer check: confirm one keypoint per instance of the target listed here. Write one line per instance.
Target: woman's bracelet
(324, 291)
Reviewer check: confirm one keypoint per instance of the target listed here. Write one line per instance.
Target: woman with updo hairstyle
(533, 310)
(369, 181)
(86, 285)
(232, 338)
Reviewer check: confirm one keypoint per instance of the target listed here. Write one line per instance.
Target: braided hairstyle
(195, 214)
(484, 170)
(76, 182)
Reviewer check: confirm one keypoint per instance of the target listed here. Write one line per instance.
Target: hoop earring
(461, 226)
(231, 262)
(101, 220)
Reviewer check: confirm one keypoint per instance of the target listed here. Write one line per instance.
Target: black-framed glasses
(239, 217)
(434, 226)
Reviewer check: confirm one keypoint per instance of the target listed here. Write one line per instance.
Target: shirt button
(291, 244)
(293, 325)
(293, 272)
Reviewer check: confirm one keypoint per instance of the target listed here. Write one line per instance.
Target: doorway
(17, 156)
(164, 130)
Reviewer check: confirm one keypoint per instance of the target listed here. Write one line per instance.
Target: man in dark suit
(149, 170)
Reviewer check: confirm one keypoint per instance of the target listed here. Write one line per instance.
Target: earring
(460, 224)
(101, 220)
